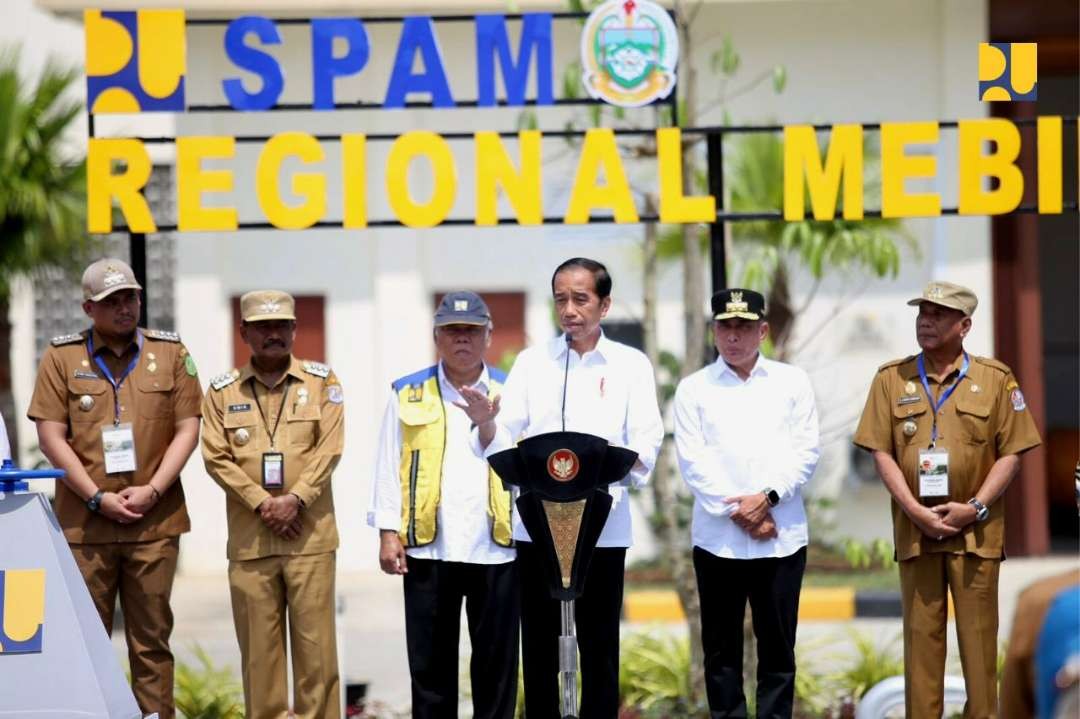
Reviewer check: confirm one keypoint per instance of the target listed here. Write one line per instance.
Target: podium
(564, 504)
(56, 661)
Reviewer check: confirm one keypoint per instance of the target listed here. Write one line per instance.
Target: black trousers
(433, 594)
(597, 612)
(772, 586)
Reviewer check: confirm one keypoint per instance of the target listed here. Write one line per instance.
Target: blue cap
(462, 308)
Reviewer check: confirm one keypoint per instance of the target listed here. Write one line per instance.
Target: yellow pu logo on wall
(1008, 71)
(22, 610)
(135, 61)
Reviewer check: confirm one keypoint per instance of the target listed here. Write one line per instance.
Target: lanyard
(935, 406)
(281, 409)
(116, 383)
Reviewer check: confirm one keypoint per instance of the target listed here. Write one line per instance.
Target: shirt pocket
(89, 401)
(906, 416)
(973, 413)
(241, 431)
(421, 424)
(154, 396)
(301, 424)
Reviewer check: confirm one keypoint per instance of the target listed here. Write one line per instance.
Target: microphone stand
(568, 647)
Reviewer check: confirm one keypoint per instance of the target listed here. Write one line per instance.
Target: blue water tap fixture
(13, 479)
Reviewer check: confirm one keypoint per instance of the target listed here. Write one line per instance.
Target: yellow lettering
(1000, 163)
(802, 158)
(354, 180)
(1050, 159)
(102, 186)
(192, 181)
(309, 185)
(675, 207)
(494, 169)
(599, 152)
(444, 172)
(897, 167)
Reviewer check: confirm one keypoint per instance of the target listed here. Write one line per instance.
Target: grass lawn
(875, 579)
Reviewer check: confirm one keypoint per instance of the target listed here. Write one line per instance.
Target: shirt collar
(559, 347)
(100, 347)
(761, 368)
(482, 383)
(295, 370)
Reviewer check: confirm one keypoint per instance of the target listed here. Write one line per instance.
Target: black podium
(564, 504)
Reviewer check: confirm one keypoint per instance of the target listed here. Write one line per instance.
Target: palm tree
(42, 190)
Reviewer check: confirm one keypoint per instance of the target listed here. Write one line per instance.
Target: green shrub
(206, 691)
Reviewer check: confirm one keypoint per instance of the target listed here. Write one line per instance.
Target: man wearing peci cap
(746, 433)
(946, 430)
(444, 523)
(117, 408)
(274, 434)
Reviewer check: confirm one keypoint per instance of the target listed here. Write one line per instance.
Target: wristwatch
(94, 503)
(981, 510)
(772, 496)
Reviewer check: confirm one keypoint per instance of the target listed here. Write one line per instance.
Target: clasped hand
(281, 515)
(752, 515)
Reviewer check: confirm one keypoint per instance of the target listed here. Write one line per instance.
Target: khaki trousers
(925, 582)
(264, 591)
(142, 573)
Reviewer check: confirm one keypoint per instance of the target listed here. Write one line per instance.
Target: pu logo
(1008, 71)
(22, 610)
(135, 61)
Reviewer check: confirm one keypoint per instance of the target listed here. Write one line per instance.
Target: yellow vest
(423, 428)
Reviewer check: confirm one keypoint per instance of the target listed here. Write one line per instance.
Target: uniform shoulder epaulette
(162, 335)
(991, 362)
(895, 362)
(316, 368)
(224, 380)
(66, 340)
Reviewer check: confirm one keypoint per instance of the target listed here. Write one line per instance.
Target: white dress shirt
(610, 393)
(464, 527)
(738, 437)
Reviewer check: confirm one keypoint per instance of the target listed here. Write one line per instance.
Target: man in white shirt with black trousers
(746, 432)
(444, 523)
(610, 393)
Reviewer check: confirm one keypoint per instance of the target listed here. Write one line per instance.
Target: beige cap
(106, 276)
(949, 295)
(262, 305)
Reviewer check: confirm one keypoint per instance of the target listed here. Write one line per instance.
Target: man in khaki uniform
(946, 430)
(274, 433)
(117, 408)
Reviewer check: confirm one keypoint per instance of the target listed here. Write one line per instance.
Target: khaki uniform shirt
(307, 405)
(161, 390)
(985, 418)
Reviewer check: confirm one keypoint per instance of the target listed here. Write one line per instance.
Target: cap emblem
(736, 304)
(270, 308)
(113, 277)
(935, 292)
(461, 305)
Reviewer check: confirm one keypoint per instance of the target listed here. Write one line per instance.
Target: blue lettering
(248, 58)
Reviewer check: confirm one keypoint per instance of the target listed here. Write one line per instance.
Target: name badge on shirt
(119, 444)
(933, 473)
(273, 470)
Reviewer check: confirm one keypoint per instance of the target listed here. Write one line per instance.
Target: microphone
(566, 376)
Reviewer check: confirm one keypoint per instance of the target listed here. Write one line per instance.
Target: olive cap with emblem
(948, 295)
(738, 304)
(106, 276)
(262, 305)
(462, 308)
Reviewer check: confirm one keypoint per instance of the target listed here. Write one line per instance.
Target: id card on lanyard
(118, 441)
(273, 463)
(934, 461)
